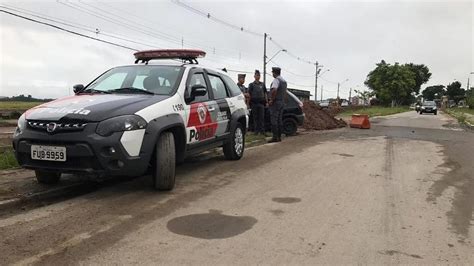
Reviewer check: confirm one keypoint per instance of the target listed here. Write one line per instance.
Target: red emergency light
(182, 54)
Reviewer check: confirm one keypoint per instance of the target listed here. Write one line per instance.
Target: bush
(470, 101)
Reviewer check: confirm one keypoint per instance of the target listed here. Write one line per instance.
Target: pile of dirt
(318, 119)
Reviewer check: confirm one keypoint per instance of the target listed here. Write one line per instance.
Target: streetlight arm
(282, 50)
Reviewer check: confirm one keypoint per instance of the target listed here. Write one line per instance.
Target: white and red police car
(135, 118)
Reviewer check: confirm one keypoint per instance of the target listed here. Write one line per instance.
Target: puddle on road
(277, 212)
(287, 200)
(212, 225)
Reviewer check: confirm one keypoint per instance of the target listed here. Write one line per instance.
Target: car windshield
(428, 104)
(145, 79)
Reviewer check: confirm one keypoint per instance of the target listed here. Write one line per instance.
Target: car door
(200, 126)
(221, 111)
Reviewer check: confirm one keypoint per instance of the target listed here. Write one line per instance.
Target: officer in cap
(258, 100)
(243, 89)
(277, 102)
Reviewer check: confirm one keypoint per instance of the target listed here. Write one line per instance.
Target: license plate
(48, 153)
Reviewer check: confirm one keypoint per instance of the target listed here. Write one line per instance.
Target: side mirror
(78, 88)
(197, 90)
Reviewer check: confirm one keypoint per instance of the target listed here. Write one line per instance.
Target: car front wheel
(165, 162)
(234, 147)
(289, 126)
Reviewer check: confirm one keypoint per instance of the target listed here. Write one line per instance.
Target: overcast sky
(347, 37)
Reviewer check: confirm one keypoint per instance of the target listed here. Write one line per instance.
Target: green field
(13, 105)
(375, 111)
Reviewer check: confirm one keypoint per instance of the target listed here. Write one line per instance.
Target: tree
(422, 75)
(455, 92)
(392, 84)
(364, 95)
(433, 92)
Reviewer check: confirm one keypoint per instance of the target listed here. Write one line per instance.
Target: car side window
(218, 87)
(197, 79)
(233, 88)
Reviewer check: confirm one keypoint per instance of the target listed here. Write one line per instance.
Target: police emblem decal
(201, 110)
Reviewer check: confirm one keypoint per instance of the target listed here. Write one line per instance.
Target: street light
(265, 61)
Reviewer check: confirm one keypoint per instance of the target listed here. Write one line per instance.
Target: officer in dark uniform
(243, 89)
(258, 100)
(276, 102)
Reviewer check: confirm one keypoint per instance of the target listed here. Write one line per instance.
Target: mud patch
(287, 200)
(343, 154)
(212, 225)
(395, 252)
(277, 212)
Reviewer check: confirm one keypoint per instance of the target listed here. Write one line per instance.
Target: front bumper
(300, 119)
(429, 110)
(86, 152)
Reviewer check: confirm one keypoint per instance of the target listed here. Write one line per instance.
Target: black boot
(279, 134)
(275, 134)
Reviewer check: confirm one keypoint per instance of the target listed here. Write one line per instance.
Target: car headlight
(119, 124)
(422, 107)
(434, 108)
(21, 125)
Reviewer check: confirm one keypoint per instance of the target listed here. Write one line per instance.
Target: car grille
(53, 127)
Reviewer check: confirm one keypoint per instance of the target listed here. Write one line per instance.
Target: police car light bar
(189, 55)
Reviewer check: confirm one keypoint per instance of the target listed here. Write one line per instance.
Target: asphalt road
(399, 193)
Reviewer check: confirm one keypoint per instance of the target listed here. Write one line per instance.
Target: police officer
(276, 102)
(243, 89)
(258, 100)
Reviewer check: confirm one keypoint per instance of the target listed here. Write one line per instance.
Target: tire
(164, 168)
(234, 148)
(47, 177)
(289, 126)
(421, 112)
(436, 113)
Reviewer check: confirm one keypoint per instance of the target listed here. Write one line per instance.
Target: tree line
(400, 84)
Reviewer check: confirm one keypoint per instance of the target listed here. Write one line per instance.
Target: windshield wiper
(130, 90)
(95, 91)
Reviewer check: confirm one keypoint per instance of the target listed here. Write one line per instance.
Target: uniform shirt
(279, 84)
(257, 92)
(242, 88)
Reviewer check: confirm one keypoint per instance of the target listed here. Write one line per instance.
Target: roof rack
(186, 55)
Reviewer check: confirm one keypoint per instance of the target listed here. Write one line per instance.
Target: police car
(135, 118)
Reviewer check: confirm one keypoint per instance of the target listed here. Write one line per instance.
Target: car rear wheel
(289, 126)
(165, 162)
(47, 177)
(234, 148)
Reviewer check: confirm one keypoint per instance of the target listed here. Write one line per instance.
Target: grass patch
(251, 137)
(16, 105)
(376, 111)
(463, 115)
(7, 158)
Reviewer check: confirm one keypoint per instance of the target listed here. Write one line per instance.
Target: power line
(137, 27)
(287, 71)
(74, 25)
(221, 21)
(128, 14)
(239, 28)
(68, 31)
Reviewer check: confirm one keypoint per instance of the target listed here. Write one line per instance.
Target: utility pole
(321, 93)
(350, 92)
(338, 85)
(316, 83)
(264, 58)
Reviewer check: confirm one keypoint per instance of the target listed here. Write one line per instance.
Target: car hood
(92, 107)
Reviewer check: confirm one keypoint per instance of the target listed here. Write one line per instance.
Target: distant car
(344, 104)
(429, 107)
(324, 104)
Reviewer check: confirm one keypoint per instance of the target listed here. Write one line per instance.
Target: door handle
(211, 109)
